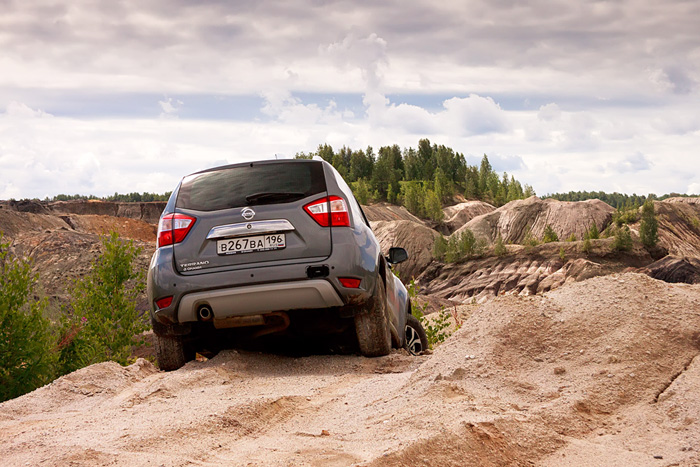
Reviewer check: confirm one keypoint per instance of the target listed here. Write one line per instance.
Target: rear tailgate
(251, 215)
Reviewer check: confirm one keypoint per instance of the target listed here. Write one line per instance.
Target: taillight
(350, 282)
(338, 216)
(164, 302)
(173, 228)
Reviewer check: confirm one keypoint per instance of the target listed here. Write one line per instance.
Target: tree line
(134, 197)
(422, 179)
(617, 200)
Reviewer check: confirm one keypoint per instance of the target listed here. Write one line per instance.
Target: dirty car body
(245, 245)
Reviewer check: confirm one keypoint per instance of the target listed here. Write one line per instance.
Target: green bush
(437, 329)
(362, 191)
(499, 249)
(623, 239)
(27, 358)
(549, 235)
(626, 216)
(649, 226)
(586, 247)
(571, 238)
(104, 321)
(440, 248)
(433, 206)
(593, 232)
(562, 254)
(459, 246)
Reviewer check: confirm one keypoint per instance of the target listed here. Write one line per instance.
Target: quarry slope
(603, 371)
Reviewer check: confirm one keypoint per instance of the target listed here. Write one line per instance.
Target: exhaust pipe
(204, 312)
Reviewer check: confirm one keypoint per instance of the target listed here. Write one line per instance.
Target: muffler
(204, 312)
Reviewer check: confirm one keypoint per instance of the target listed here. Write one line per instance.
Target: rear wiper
(271, 197)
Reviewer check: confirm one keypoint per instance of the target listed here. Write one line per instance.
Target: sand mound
(388, 212)
(515, 219)
(459, 214)
(605, 370)
(417, 239)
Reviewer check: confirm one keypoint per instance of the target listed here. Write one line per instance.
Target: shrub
(104, 322)
(571, 238)
(440, 248)
(586, 247)
(626, 216)
(562, 254)
(549, 235)
(27, 358)
(436, 329)
(499, 249)
(362, 190)
(463, 245)
(623, 239)
(433, 206)
(649, 226)
(530, 241)
(593, 233)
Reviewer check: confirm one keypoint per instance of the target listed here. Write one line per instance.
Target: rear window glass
(271, 182)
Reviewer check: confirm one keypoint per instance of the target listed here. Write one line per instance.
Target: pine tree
(649, 226)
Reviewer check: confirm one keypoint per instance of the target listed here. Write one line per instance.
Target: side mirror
(397, 255)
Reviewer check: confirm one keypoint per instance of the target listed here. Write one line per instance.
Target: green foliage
(499, 249)
(412, 195)
(117, 197)
(562, 254)
(571, 238)
(437, 328)
(397, 175)
(440, 248)
(549, 235)
(362, 190)
(593, 233)
(104, 320)
(586, 247)
(628, 215)
(463, 245)
(623, 239)
(433, 207)
(649, 226)
(530, 240)
(27, 358)
(616, 200)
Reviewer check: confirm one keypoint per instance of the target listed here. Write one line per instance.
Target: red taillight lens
(338, 216)
(350, 282)
(164, 302)
(173, 228)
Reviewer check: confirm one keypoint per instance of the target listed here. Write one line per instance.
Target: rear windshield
(251, 184)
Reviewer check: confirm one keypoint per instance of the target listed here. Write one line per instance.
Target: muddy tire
(372, 327)
(416, 339)
(171, 351)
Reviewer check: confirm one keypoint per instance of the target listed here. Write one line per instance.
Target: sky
(121, 96)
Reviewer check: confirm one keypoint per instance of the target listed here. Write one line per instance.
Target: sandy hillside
(598, 372)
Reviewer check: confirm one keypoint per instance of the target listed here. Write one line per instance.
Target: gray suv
(273, 247)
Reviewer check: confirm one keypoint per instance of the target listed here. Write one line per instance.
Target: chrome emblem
(248, 214)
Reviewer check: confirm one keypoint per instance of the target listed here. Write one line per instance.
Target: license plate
(238, 245)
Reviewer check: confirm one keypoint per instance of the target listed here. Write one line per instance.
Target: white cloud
(570, 95)
(170, 107)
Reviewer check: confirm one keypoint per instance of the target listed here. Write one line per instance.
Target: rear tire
(171, 351)
(416, 339)
(372, 327)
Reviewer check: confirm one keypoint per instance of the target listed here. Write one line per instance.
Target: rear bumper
(264, 289)
(257, 299)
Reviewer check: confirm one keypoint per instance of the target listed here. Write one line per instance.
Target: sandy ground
(599, 372)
